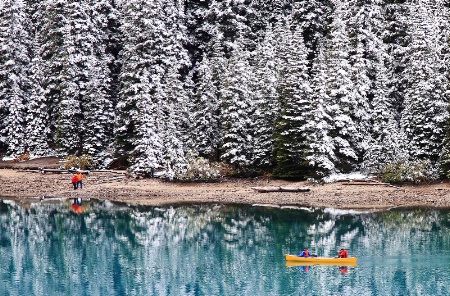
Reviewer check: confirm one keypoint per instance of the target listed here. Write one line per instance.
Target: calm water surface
(101, 248)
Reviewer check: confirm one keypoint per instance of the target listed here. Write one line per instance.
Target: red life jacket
(306, 253)
(343, 254)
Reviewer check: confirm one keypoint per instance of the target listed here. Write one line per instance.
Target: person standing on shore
(75, 181)
(79, 180)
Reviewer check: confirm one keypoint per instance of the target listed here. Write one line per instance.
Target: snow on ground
(343, 212)
(351, 176)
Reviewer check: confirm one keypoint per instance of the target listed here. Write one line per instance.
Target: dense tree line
(296, 88)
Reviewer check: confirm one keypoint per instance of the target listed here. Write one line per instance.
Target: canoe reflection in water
(307, 267)
(77, 205)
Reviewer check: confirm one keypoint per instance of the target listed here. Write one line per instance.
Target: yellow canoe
(298, 263)
(307, 261)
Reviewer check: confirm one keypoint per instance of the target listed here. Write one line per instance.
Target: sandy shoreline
(106, 185)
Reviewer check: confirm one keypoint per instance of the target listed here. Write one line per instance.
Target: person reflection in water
(304, 269)
(77, 205)
(343, 269)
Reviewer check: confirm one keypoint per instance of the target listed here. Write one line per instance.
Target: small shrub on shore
(23, 157)
(417, 172)
(198, 169)
(82, 162)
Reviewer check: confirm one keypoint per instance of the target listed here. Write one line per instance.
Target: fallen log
(58, 171)
(117, 172)
(61, 171)
(30, 171)
(280, 189)
(101, 171)
(84, 172)
(112, 179)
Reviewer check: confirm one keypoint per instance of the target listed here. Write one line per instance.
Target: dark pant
(75, 185)
(80, 184)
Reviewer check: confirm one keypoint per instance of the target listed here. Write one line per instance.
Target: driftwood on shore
(56, 171)
(118, 178)
(280, 189)
(61, 171)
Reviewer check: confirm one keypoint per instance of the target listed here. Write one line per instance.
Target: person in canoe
(304, 253)
(342, 253)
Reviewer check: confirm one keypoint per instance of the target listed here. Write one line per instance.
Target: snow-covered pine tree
(313, 17)
(321, 156)
(294, 90)
(198, 29)
(178, 94)
(230, 20)
(173, 104)
(343, 103)
(396, 40)
(153, 47)
(148, 146)
(15, 57)
(207, 101)
(266, 101)
(85, 111)
(444, 6)
(237, 111)
(362, 74)
(205, 116)
(98, 97)
(38, 118)
(138, 108)
(382, 139)
(49, 23)
(426, 100)
(70, 121)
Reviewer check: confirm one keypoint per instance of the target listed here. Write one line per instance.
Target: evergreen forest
(291, 88)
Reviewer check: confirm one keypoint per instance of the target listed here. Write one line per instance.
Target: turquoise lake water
(101, 248)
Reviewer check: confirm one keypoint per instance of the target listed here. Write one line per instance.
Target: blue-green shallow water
(110, 249)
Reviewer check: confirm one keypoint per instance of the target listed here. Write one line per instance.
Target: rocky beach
(20, 181)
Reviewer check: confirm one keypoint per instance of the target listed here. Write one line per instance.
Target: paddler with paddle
(304, 253)
(342, 253)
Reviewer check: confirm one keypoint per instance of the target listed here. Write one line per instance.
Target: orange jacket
(77, 209)
(80, 176)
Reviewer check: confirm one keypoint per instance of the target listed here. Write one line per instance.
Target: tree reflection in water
(216, 250)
